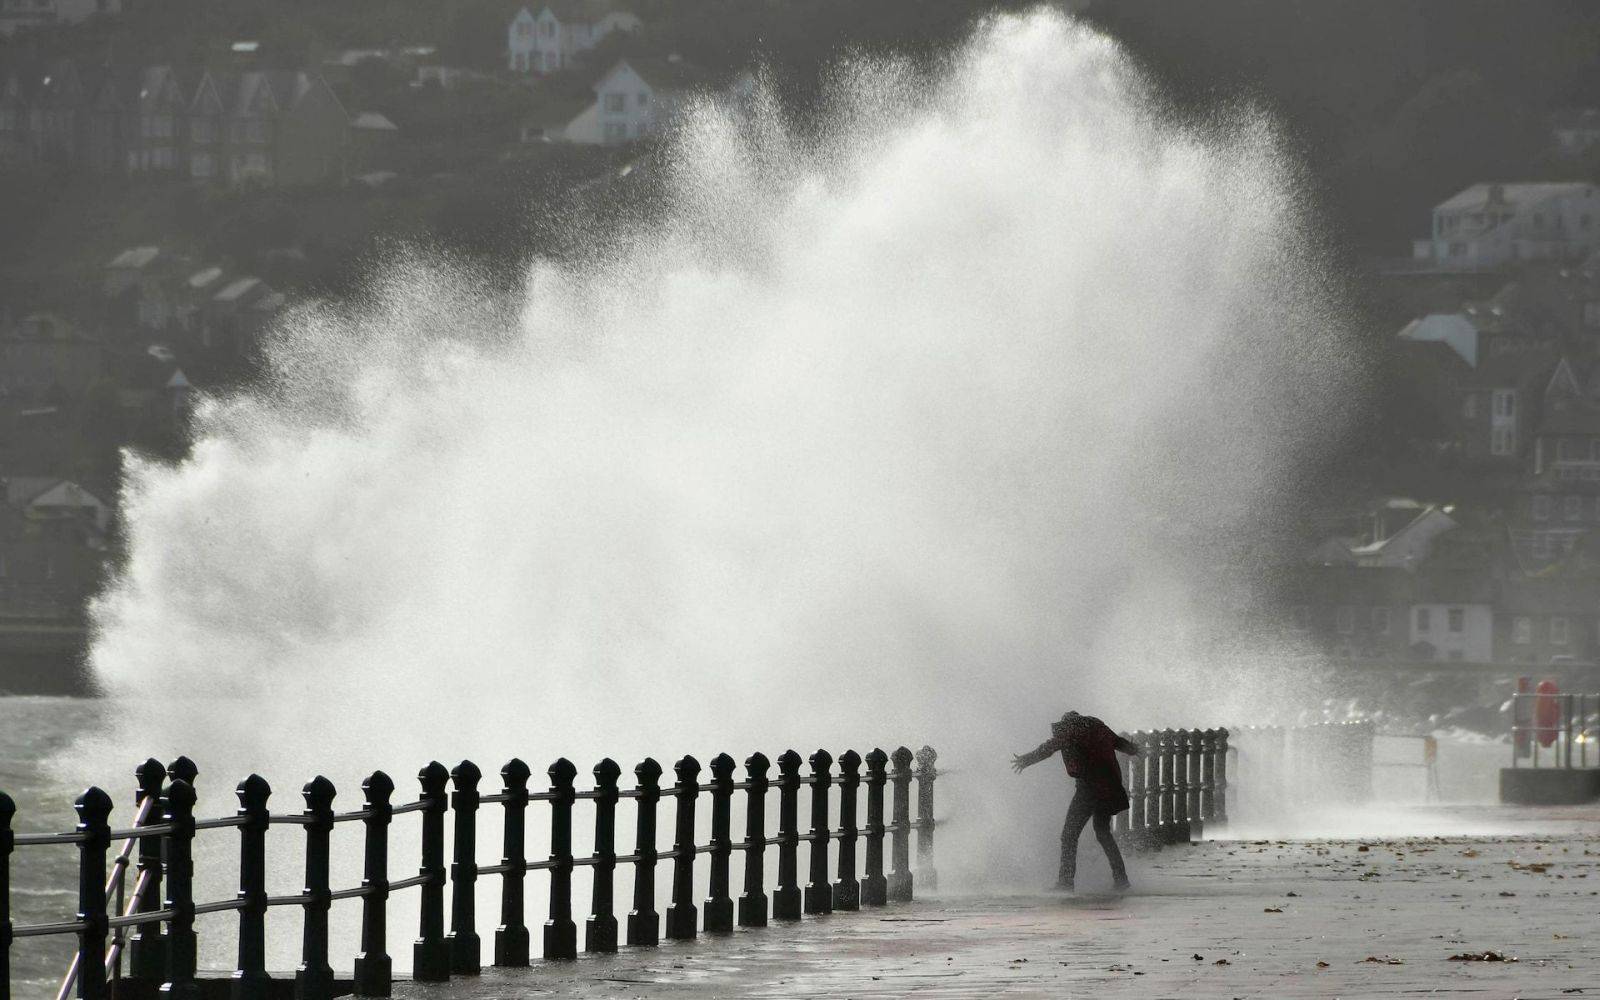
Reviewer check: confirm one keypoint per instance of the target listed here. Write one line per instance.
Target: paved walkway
(1261, 919)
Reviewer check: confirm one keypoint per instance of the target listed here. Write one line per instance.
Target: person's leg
(1078, 815)
(1108, 841)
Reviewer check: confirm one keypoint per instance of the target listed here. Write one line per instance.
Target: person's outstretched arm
(1021, 761)
(1127, 746)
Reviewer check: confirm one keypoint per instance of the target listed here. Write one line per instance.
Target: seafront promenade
(1304, 918)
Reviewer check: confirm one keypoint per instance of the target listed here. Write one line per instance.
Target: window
(1380, 621)
(1505, 402)
(615, 132)
(202, 130)
(1541, 508)
(1574, 508)
(1457, 619)
(1424, 620)
(616, 103)
(524, 30)
(1541, 545)
(1558, 631)
(1345, 619)
(1522, 630)
(643, 100)
(203, 165)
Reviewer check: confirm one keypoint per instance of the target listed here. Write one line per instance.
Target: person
(1089, 749)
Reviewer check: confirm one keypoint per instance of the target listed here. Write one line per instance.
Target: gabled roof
(237, 289)
(1518, 196)
(134, 259)
(373, 121)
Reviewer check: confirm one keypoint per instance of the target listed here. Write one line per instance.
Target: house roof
(204, 278)
(373, 121)
(22, 490)
(236, 289)
(1517, 195)
(134, 258)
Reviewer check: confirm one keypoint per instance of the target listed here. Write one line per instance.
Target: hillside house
(44, 357)
(633, 99)
(552, 37)
(1488, 225)
(18, 15)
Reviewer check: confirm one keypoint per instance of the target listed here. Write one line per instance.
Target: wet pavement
(1345, 918)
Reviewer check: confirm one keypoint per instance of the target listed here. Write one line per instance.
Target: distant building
(44, 358)
(1489, 225)
(226, 128)
(1575, 131)
(551, 37)
(16, 15)
(633, 99)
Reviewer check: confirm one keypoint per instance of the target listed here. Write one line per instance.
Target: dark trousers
(1084, 806)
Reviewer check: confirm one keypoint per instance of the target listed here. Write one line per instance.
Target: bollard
(511, 936)
(94, 810)
(147, 945)
(681, 912)
(314, 979)
(600, 930)
(8, 843)
(466, 950)
(753, 901)
(250, 979)
(560, 933)
(786, 898)
(846, 889)
(643, 926)
(927, 771)
(430, 953)
(874, 888)
(718, 904)
(818, 893)
(1221, 785)
(178, 866)
(900, 889)
(374, 970)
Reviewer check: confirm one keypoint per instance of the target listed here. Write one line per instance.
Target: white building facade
(547, 42)
(1488, 225)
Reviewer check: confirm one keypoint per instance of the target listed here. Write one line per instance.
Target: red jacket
(1088, 748)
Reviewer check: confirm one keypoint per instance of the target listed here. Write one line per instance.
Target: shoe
(1063, 886)
(1121, 885)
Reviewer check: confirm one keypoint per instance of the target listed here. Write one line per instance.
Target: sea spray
(922, 426)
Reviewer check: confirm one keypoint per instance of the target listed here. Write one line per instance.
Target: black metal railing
(156, 931)
(1176, 785)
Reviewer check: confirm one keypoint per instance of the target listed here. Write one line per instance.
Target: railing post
(465, 947)
(900, 887)
(8, 843)
(560, 933)
(786, 898)
(1180, 784)
(314, 979)
(1136, 788)
(846, 890)
(94, 810)
(147, 947)
(753, 901)
(927, 771)
(250, 980)
(681, 912)
(819, 893)
(1220, 789)
(178, 865)
(874, 887)
(643, 921)
(1208, 774)
(374, 970)
(719, 904)
(511, 937)
(430, 953)
(600, 930)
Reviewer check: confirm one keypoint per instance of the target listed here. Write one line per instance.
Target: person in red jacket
(1089, 749)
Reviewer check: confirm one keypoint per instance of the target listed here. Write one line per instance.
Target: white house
(560, 33)
(632, 99)
(1488, 225)
(1462, 632)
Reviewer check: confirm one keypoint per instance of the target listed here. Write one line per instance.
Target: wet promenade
(1351, 918)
